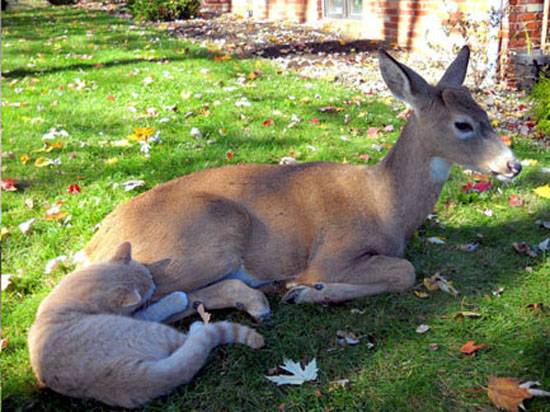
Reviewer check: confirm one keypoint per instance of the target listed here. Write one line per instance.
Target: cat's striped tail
(219, 333)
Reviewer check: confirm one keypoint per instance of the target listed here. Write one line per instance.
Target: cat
(94, 338)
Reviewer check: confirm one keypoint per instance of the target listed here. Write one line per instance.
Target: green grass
(41, 50)
(541, 95)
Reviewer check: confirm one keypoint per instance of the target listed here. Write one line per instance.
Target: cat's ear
(123, 253)
(129, 297)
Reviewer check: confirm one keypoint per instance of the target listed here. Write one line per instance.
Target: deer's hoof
(295, 295)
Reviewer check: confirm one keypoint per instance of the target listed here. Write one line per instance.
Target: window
(342, 9)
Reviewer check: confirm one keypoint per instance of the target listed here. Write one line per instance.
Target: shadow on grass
(306, 331)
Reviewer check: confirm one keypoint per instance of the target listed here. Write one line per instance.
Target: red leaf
(268, 122)
(372, 131)
(73, 189)
(315, 121)
(470, 347)
(229, 155)
(507, 140)
(478, 187)
(9, 185)
(515, 201)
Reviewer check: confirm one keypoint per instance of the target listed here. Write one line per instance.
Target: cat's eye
(464, 127)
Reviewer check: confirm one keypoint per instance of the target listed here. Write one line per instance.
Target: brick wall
(216, 6)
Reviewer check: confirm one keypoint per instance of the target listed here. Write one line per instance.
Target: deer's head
(449, 124)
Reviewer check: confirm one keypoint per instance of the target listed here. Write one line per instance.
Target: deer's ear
(403, 82)
(456, 72)
(123, 253)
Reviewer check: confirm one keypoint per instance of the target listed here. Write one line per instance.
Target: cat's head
(119, 285)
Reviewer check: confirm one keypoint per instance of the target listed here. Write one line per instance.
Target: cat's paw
(255, 340)
(179, 300)
(195, 327)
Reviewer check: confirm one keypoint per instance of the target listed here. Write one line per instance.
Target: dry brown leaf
(466, 314)
(205, 316)
(470, 347)
(505, 393)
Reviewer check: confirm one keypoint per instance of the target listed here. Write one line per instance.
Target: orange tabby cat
(92, 338)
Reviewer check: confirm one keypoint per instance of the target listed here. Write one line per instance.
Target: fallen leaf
(421, 295)
(4, 232)
(3, 343)
(5, 280)
(25, 226)
(507, 140)
(229, 155)
(347, 338)
(524, 249)
(205, 316)
(422, 329)
(509, 394)
(436, 240)
(515, 201)
(543, 191)
(268, 122)
(389, 128)
(9, 185)
(287, 160)
(42, 162)
(73, 189)
(330, 109)
(196, 133)
(55, 263)
(315, 121)
(298, 375)
(132, 184)
(544, 246)
(141, 134)
(536, 307)
(469, 247)
(478, 187)
(438, 282)
(364, 157)
(466, 314)
(470, 347)
(372, 132)
(24, 158)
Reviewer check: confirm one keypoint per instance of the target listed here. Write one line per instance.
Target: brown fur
(85, 343)
(331, 232)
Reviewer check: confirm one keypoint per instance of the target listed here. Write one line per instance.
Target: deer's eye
(464, 127)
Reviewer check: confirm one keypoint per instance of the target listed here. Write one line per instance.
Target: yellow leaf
(4, 232)
(543, 191)
(49, 146)
(42, 162)
(121, 143)
(24, 158)
(56, 216)
(141, 134)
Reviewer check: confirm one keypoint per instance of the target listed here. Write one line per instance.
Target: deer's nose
(514, 167)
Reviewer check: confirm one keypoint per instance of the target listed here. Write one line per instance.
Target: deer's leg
(230, 293)
(376, 274)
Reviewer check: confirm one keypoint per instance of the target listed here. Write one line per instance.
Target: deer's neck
(415, 178)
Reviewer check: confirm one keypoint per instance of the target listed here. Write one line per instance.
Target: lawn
(98, 78)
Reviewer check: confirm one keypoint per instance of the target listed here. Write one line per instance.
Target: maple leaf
(205, 316)
(508, 394)
(268, 122)
(298, 375)
(515, 201)
(9, 185)
(470, 347)
(73, 189)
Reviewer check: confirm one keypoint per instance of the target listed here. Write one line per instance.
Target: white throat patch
(439, 169)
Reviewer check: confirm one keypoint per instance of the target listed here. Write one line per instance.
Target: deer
(322, 232)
